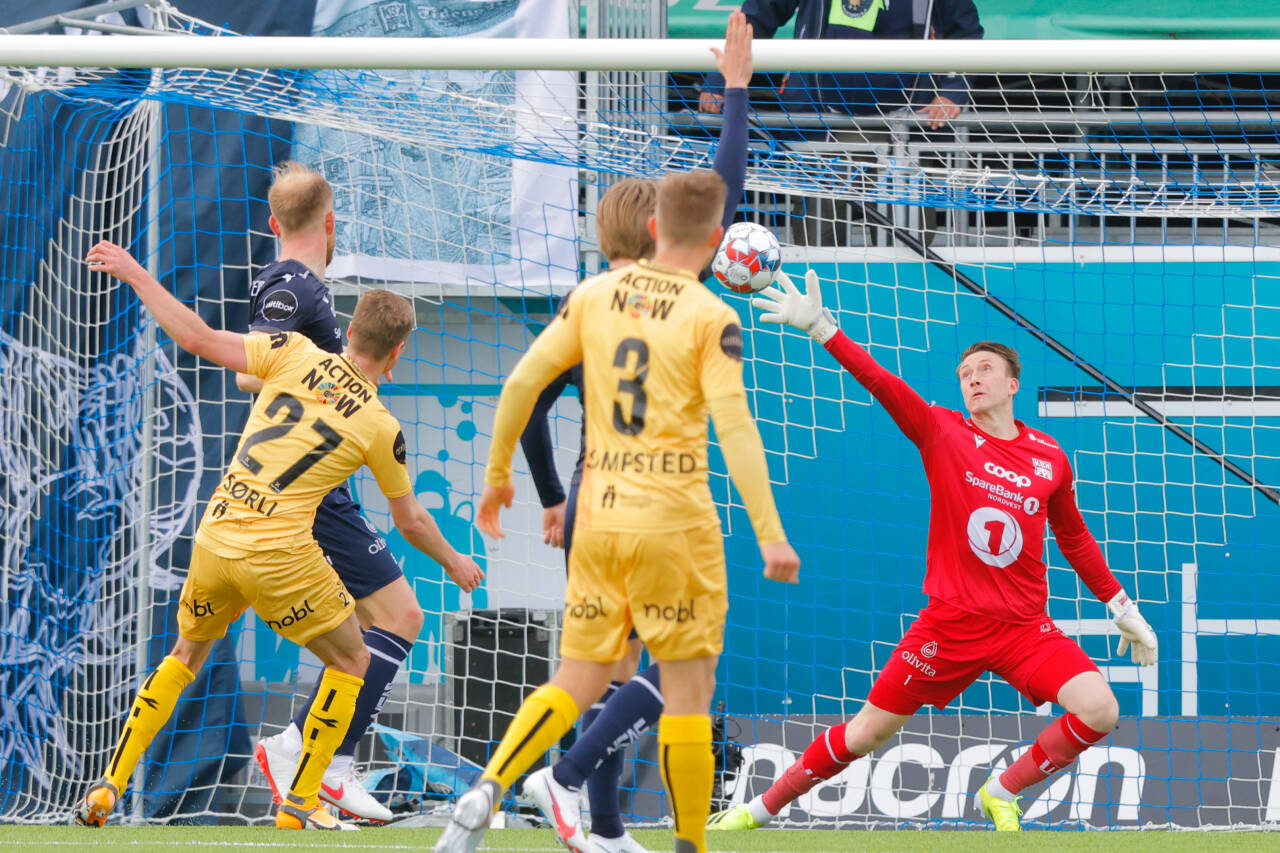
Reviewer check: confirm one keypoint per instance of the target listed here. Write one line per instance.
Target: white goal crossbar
(1078, 56)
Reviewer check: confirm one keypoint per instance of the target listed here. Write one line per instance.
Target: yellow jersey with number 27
(315, 422)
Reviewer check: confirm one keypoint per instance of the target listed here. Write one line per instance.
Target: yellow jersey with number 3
(315, 422)
(655, 345)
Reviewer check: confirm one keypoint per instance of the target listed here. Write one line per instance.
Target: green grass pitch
(173, 839)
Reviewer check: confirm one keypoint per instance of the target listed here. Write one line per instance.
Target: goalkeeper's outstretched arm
(805, 311)
(179, 322)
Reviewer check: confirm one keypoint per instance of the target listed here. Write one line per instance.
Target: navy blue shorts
(357, 552)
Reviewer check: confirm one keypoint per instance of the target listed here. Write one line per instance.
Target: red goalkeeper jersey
(989, 501)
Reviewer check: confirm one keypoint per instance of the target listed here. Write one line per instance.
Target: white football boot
(561, 807)
(470, 819)
(624, 844)
(341, 787)
(278, 763)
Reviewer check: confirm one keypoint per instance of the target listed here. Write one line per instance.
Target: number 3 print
(995, 536)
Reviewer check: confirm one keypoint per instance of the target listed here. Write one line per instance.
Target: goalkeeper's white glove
(1133, 629)
(802, 310)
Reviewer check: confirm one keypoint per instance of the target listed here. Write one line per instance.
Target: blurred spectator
(940, 96)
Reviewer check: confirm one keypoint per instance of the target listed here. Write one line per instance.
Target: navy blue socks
(596, 758)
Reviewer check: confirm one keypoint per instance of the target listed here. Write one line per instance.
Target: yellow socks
(688, 769)
(327, 722)
(152, 707)
(542, 720)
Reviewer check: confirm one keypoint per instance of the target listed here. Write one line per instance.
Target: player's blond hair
(690, 206)
(382, 321)
(1009, 354)
(299, 197)
(622, 219)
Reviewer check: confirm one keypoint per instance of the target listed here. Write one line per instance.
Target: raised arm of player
(558, 348)
(731, 153)
(1082, 552)
(804, 311)
(729, 74)
(179, 322)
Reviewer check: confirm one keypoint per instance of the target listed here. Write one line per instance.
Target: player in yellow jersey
(658, 351)
(317, 420)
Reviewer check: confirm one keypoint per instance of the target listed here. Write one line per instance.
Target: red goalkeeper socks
(824, 758)
(1056, 747)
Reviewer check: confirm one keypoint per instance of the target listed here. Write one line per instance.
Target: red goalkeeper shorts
(947, 649)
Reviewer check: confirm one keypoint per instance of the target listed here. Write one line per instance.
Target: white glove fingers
(772, 318)
(787, 284)
(771, 293)
(812, 288)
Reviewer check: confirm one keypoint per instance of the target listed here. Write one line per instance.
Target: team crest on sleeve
(398, 448)
(731, 341)
(279, 339)
(1043, 469)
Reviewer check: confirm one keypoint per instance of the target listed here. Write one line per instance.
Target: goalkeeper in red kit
(994, 483)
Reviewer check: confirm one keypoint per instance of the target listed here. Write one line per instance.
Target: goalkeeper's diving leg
(1074, 683)
(1092, 712)
(829, 754)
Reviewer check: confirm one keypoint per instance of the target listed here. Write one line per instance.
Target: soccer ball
(748, 259)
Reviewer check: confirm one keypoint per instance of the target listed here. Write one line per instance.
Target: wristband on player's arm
(824, 328)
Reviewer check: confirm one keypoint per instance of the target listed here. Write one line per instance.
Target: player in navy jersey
(993, 484)
(290, 295)
(630, 705)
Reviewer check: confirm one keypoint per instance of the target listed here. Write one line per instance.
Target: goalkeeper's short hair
(1008, 353)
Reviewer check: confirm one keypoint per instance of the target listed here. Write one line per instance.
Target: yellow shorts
(670, 586)
(298, 595)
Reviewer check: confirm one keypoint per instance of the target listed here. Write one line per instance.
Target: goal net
(1120, 230)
